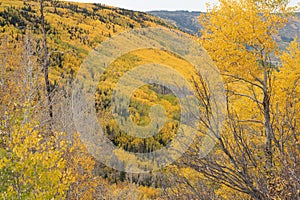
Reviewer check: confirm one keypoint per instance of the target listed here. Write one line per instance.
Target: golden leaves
(33, 165)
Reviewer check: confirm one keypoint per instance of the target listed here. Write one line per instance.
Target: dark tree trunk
(46, 62)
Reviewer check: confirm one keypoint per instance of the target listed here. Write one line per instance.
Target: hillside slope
(260, 102)
(73, 31)
(71, 27)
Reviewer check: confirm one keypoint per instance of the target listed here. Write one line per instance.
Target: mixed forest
(43, 44)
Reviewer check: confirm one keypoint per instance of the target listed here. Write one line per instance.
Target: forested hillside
(29, 104)
(256, 153)
(71, 27)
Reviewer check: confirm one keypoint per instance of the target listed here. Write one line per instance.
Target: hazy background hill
(184, 20)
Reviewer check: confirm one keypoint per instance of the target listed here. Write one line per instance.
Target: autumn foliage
(257, 152)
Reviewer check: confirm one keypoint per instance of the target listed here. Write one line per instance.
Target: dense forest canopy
(257, 151)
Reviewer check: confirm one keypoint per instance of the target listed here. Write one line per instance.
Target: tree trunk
(46, 63)
(267, 124)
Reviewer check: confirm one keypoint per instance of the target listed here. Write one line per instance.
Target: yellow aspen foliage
(287, 103)
(236, 32)
(255, 147)
(148, 192)
(32, 165)
(239, 36)
(81, 164)
(290, 71)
